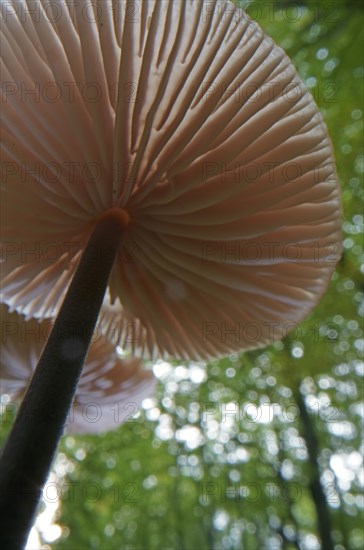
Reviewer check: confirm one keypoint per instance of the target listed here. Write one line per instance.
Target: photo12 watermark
(253, 413)
(289, 492)
(126, 492)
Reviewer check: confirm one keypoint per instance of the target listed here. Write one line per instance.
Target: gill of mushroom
(111, 388)
(180, 134)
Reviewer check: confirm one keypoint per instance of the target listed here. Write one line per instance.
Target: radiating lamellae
(187, 115)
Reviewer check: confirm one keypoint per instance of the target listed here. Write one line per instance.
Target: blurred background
(257, 451)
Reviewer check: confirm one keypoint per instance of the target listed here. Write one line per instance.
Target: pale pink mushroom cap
(110, 391)
(189, 117)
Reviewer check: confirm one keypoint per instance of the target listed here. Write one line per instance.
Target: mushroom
(111, 388)
(178, 138)
(208, 139)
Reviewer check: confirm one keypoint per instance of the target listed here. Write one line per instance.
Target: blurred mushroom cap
(110, 391)
(190, 118)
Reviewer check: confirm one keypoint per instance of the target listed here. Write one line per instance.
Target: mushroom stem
(30, 448)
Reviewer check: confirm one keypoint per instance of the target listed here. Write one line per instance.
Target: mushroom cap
(189, 117)
(110, 391)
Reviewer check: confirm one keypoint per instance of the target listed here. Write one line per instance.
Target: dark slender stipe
(32, 443)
